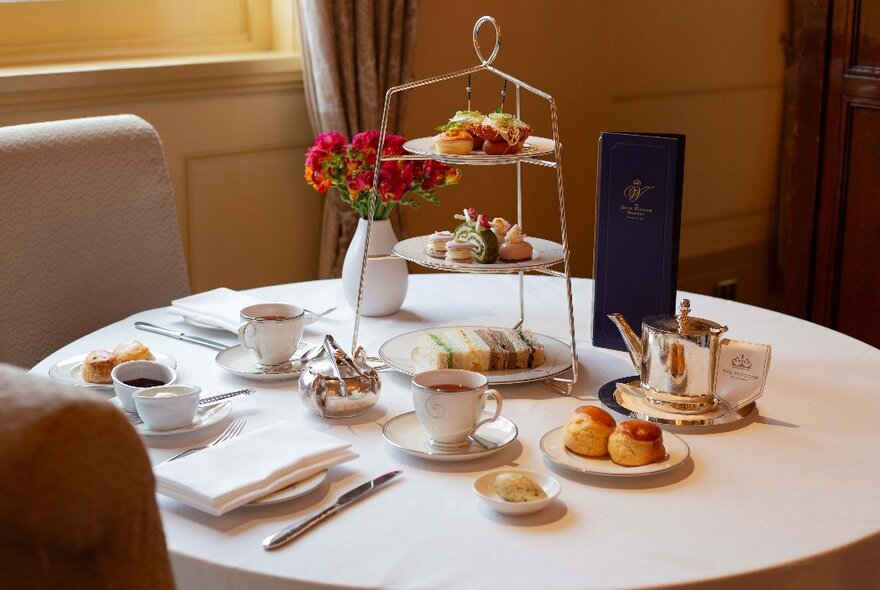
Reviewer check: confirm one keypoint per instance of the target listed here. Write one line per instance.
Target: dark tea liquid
(273, 318)
(451, 387)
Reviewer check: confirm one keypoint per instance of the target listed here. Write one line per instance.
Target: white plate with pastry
(546, 253)
(70, 370)
(532, 148)
(677, 452)
(500, 354)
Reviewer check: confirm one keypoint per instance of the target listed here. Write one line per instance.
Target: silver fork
(233, 430)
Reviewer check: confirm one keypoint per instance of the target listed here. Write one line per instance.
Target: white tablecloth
(787, 499)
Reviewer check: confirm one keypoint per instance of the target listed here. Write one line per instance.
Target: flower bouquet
(350, 168)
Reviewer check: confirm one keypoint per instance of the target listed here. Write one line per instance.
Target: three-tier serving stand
(561, 384)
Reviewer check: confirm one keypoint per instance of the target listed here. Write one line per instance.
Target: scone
(132, 351)
(97, 366)
(636, 442)
(587, 432)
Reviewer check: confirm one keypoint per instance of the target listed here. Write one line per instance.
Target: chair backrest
(77, 494)
(88, 231)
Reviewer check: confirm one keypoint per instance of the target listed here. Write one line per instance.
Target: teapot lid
(683, 323)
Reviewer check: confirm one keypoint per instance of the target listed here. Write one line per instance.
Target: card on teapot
(741, 371)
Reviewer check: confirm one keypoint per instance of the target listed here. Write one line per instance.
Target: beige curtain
(353, 51)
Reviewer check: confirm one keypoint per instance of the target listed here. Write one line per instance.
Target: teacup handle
(499, 403)
(246, 334)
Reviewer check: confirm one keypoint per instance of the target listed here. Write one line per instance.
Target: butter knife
(180, 335)
(290, 533)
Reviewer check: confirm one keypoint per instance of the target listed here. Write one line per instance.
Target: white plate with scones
(546, 253)
(677, 452)
(70, 370)
(404, 354)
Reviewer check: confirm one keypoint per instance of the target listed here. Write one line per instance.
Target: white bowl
(166, 407)
(484, 487)
(138, 370)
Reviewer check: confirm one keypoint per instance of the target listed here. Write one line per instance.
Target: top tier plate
(534, 147)
(546, 253)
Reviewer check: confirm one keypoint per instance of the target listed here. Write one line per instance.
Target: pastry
(132, 351)
(587, 431)
(454, 142)
(636, 442)
(515, 248)
(500, 227)
(97, 366)
(516, 487)
(475, 228)
(479, 349)
(503, 133)
(436, 244)
(460, 250)
(465, 121)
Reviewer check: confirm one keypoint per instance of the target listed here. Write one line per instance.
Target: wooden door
(834, 245)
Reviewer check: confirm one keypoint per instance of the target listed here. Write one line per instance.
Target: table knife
(180, 335)
(288, 534)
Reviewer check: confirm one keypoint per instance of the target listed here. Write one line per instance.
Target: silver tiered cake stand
(558, 382)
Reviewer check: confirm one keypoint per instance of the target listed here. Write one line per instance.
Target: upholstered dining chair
(88, 231)
(77, 494)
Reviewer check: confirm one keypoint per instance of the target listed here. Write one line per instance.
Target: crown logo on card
(741, 362)
(635, 191)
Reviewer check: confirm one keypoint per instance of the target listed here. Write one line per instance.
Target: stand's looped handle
(477, 25)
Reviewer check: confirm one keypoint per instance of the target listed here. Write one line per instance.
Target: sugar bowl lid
(683, 323)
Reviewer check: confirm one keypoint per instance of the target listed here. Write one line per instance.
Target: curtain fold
(353, 51)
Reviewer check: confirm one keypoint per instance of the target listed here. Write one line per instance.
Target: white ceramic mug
(271, 331)
(449, 404)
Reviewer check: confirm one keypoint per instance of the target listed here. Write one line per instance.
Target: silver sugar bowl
(338, 385)
(676, 359)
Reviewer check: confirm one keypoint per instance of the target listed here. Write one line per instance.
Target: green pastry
(483, 238)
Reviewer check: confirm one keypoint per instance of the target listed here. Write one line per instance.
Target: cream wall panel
(251, 211)
(692, 45)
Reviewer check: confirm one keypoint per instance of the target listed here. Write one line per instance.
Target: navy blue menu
(638, 221)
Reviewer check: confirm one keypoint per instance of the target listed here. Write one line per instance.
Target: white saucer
(405, 433)
(205, 417)
(677, 451)
(69, 371)
(300, 488)
(236, 359)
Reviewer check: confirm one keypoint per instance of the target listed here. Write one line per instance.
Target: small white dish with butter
(167, 407)
(516, 492)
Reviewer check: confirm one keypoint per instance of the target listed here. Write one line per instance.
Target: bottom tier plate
(399, 353)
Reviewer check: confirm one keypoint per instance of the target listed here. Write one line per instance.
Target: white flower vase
(386, 281)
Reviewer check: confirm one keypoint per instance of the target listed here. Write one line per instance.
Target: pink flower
(393, 145)
(366, 141)
(330, 142)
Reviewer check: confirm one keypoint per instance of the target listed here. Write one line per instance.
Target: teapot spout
(632, 342)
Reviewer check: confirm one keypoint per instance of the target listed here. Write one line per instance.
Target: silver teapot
(676, 359)
(338, 385)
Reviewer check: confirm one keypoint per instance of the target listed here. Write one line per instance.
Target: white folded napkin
(219, 307)
(232, 473)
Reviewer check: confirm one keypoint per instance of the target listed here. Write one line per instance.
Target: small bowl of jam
(136, 375)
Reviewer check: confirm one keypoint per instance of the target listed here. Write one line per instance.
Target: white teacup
(449, 404)
(166, 407)
(271, 331)
(133, 370)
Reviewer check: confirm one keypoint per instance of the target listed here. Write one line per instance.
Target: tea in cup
(449, 404)
(271, 332)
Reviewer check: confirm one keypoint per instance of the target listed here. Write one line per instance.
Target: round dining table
(786, 497)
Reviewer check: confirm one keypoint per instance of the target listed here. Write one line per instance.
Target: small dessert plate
(484, 487)
(69, 371)
(205, 416)
(406, 433)
(236, 359)
(533, 147)
(677, 452)
(300, 488)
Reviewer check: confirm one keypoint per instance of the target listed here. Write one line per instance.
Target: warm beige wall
(710, 69)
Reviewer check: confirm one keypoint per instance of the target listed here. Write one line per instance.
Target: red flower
(330, 142)
(366, 141)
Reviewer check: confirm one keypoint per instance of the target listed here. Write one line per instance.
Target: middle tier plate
(546, 253)
(399, 353)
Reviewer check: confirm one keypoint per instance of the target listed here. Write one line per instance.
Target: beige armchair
(77, 501)
(88, 231)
